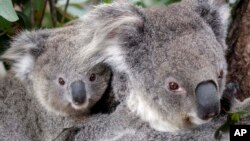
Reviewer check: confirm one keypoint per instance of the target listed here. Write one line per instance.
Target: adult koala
(170, 86)
(123, 126)
(174, 58)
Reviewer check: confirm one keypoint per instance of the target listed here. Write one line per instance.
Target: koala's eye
(173, 86)
(92, 77)
(61, 81)
(221, 74)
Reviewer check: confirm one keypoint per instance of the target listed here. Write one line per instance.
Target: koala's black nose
(78, 92)
(208, 102)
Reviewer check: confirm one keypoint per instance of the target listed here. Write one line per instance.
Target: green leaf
(7, 10)
(167, 2)
(236, 116)
(232, 118)
(24, 20)
(63, 2)
(106, 1)
(4, 24)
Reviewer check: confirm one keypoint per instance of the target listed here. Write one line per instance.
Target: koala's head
(174, 58)
(62, 81)
(186, 70)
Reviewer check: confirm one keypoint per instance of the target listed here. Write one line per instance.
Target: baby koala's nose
(78, 92)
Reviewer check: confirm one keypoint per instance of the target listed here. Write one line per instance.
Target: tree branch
(43, 12)
(32, 19)
(53, 12)
(65, 10)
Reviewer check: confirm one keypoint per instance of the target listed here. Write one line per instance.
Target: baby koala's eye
(92, 77)
(173, 86)
(61, 81)
(221, 74)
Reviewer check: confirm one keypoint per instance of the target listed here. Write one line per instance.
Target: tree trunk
(239, 49)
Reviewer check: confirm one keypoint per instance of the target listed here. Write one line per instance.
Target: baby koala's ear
(23, 51)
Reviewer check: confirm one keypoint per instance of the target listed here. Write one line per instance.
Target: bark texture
(239, 53)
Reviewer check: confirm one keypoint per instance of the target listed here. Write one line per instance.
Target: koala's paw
(228, 96)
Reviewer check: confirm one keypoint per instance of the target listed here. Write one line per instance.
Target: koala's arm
(239, 106)
(229, 101)
(228, 97)
(104, 127)
(127, 127)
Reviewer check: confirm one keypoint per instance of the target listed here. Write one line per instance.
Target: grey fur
(121, 125)
(157, 47)
(152, 47)
(23, 119)
(161, 45)
(41, 58)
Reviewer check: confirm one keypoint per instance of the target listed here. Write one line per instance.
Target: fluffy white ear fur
(106, 34)
(2, 70)
(19, 54)
(223, 9)
(23, 66)
(220, 6)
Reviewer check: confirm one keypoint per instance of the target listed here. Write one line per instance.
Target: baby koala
(47, 61)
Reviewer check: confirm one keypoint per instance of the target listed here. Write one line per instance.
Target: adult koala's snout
(78, 92)
(208, 102)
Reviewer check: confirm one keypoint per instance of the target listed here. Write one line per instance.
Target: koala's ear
(215, 12)
(116, 19)
(113, 25)
(23, 51)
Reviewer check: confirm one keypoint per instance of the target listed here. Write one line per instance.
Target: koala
(175, 63)
(22, 119)
(231, 102)
(48, 62)
(123, 126)
(228, 98)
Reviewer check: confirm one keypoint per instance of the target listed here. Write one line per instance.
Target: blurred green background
(19, 15)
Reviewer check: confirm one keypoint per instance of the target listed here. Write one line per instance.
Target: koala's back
(22, 117)
(17, 119)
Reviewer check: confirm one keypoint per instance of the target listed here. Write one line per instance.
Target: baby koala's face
(49, 62)
(69, 91)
